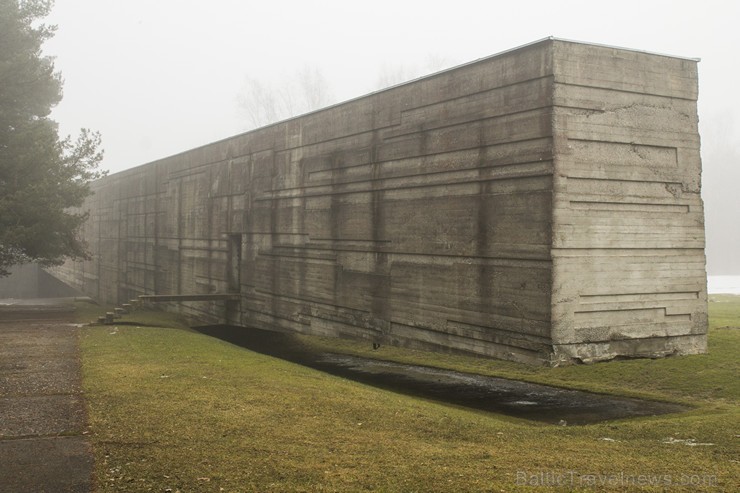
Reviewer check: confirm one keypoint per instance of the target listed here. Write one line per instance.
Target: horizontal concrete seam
(626, 91)
(621, 310)
(180, 174)
(193, 170)
(641, 293)
(183, 173)
(653, 207)
(599, 141)
(627, 248)
(483, 91)
(161, 192)
(461, 257)
(545, 346)
(315, 301)
(625, 180)
(416, 175)
(580, 108)
(315, 260)
(422, 157)
(414, 131)
(350, 239)
(431, 185)
(521, 335)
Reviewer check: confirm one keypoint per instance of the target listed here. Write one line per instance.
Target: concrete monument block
(540, 205)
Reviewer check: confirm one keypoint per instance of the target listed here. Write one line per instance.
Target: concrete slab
(46, 465)
(28, 376)
(41, 415)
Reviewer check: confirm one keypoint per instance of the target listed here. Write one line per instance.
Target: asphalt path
(43, 447)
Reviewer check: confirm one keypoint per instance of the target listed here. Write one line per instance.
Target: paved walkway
(42, 412)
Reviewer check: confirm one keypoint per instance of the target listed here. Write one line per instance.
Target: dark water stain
(497, 395)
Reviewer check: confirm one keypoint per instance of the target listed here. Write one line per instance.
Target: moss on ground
(173, 409)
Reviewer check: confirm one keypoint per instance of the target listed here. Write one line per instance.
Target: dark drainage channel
(497, 395)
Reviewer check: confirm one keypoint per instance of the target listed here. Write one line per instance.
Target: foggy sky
(160, 77)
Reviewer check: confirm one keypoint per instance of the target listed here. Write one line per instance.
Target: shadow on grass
(498, 395)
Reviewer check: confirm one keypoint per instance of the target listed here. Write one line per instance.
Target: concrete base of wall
(653, 347)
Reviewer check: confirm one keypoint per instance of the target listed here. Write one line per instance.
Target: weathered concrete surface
(628, 222)
(42, 413)
(540, 205)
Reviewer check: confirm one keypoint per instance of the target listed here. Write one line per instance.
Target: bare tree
(264, 103)
(390, 75)
(395, 74)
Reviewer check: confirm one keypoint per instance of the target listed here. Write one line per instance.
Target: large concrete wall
(539, 205)
(22, 282)
(628, 230)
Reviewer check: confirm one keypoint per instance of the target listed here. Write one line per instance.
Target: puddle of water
(499, 395)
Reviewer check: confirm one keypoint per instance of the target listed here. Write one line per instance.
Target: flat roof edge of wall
(401, 84)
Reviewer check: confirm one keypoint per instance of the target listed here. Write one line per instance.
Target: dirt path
(42, 412)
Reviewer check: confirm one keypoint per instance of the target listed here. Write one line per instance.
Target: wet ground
(42, 413)
(498, 395)
(28, 310)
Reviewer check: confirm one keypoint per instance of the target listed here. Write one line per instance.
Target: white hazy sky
(157, 77)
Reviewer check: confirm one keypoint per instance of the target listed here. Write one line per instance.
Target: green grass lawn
(171, 409)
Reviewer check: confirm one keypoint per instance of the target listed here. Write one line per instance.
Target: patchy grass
(173, 409)
(88, 313)
(680, 378)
